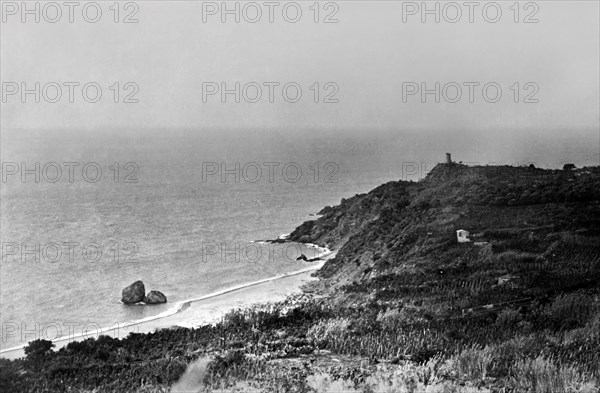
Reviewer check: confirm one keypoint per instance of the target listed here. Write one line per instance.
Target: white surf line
(97, 332)
(322, 251)
(248, 285)
(177, 307)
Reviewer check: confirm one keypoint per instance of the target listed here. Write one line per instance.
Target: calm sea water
(69, 247)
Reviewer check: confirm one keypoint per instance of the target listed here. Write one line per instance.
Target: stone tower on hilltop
(448, 158)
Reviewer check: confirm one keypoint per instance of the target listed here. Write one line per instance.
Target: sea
(84, 214)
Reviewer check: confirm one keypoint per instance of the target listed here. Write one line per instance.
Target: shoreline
(202, 310)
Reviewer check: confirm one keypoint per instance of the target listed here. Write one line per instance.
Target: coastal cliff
(403, 227)
(475, 279)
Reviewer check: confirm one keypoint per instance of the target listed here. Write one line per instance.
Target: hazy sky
(368, 54)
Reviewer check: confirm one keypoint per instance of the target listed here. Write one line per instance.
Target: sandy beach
(203, 310)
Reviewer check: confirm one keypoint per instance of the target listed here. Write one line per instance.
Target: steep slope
(340, 222)
(524, 222)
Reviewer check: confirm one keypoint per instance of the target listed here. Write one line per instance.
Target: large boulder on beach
(133, 293)
(155, 297)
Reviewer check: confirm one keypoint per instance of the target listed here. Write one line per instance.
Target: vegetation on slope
(402, 307)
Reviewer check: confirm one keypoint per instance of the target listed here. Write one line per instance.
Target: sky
(179, 52)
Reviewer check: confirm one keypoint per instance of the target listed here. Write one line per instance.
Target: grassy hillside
(403, 307)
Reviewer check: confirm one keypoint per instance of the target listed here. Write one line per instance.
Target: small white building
(462, 236)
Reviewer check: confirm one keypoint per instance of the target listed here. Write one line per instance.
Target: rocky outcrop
(336, 224)
(133, 293)
(155, 297)
(303, 257)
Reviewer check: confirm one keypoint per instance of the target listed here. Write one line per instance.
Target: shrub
(390, 319)
(508, 318)
(570, 311)
(11, 379)
(221, 367)
(37, 348)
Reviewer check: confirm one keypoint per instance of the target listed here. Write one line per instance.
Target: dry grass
(540, 375)
(474, 363)
(407, 378)
(327, 330)
(322, 382)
